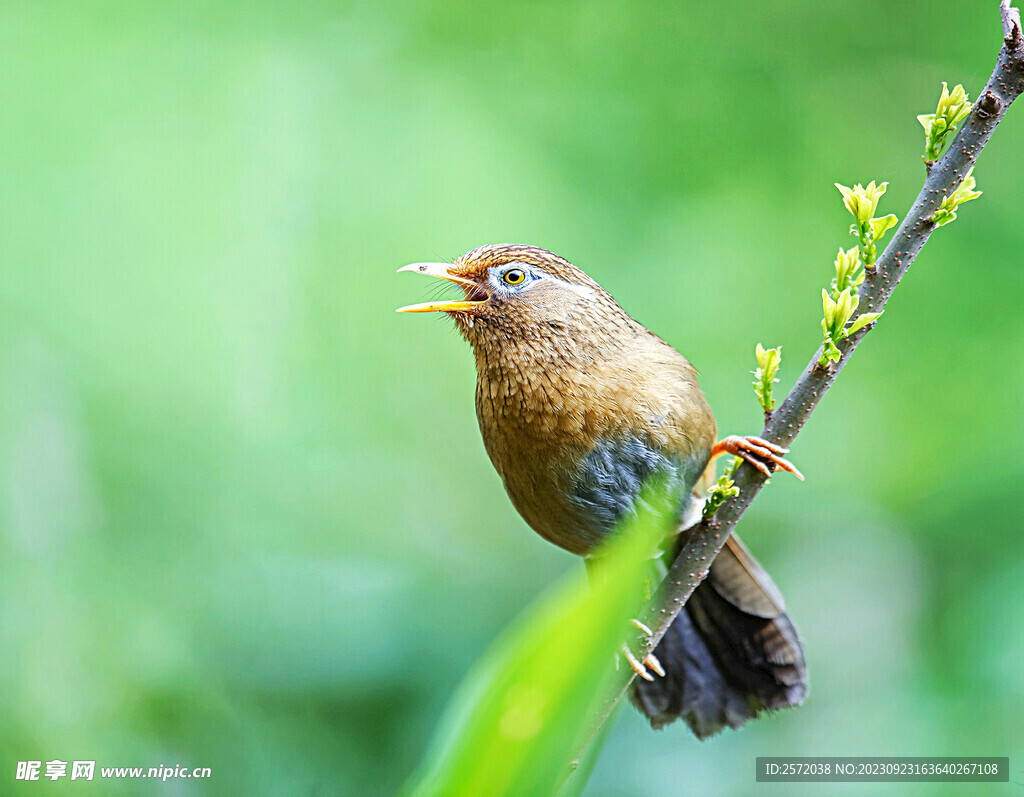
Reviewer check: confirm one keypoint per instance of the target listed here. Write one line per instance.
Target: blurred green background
(246, 519)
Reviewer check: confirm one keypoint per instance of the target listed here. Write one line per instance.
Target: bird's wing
(739, 578)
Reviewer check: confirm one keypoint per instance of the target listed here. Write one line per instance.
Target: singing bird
(579, 405)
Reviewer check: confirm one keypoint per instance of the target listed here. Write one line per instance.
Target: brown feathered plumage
(578, 405)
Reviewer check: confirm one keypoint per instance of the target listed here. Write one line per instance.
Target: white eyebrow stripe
(581, 290)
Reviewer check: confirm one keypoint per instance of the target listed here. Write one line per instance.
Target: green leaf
(879, 227)
(837, 312)
(829, 353)
(526, 710)
(849, 200)
(862, 321)
(828, 306)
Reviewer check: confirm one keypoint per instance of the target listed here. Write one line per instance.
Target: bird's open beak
(440, 270)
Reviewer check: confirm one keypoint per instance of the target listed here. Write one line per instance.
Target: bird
(579, 405)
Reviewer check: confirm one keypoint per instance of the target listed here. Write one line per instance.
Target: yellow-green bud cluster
(721, 490)
(964, 193)
(849, 273)
(837, 313)
(768, 362)
(862, 201)
(952, 108)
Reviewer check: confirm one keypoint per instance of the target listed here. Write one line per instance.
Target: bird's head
(517, 290)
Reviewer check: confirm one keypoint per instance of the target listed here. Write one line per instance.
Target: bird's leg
(760, 453)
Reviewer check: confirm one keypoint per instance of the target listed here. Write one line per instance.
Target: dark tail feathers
(729, 655)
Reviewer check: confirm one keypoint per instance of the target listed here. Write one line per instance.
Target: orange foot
(763, 455)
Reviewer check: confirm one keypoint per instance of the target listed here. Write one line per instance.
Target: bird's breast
(574, 441)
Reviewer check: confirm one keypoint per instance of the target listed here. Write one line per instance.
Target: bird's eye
(514, 276)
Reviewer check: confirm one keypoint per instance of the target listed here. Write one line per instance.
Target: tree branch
(702, 542)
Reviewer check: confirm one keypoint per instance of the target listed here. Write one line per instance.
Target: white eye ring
(510, 277)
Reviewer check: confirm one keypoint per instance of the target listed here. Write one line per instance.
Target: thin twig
(703, 542)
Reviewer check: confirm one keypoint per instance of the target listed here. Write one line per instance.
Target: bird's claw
(640, 626)
(762, 454)
(643, 668)
(650, 662)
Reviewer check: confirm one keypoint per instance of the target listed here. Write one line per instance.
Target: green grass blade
(527, 707)
(577, 781)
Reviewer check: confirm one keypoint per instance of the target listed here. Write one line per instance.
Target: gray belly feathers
(610, 478)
